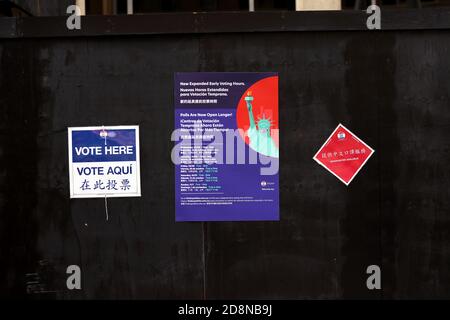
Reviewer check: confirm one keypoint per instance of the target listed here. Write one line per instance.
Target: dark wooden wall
(390, 88)
(45, 7)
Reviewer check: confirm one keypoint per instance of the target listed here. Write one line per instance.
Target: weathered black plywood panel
(390, 88)
(329, 233)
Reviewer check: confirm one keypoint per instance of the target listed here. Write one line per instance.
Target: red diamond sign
(343, 154)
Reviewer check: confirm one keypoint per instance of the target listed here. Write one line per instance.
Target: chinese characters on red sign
(343, 154)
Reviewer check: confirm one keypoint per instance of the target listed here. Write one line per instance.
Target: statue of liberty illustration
(260, 133)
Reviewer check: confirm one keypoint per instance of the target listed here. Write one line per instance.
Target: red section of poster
(265, 106)
(343, 154)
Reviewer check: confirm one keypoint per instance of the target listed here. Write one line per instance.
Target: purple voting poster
(226, 146)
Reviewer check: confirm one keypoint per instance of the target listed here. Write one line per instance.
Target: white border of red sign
(354, 136)
(101, 195)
